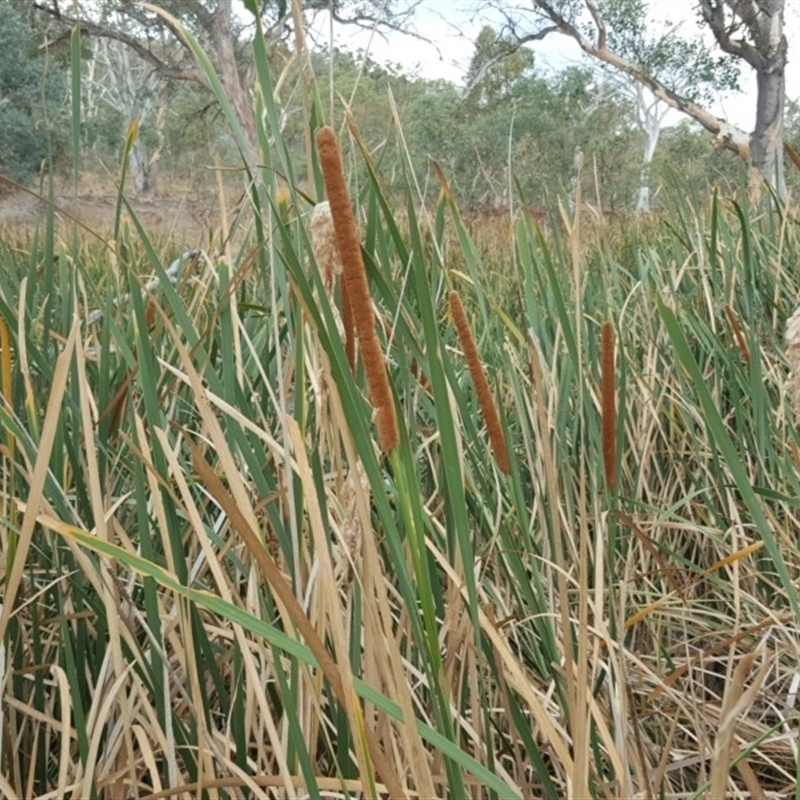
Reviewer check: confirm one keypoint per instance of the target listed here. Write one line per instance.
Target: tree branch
(713, 12)
(362, 19)
(90, 28)
(727, 136)
(602, 33)
(519, 41)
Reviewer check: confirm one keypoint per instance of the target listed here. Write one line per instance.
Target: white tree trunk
(764, 48)
(727, 136)
(766, 147)
(123, 82)
(651, 114)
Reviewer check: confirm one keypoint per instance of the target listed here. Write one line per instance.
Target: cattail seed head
(356, 294)
(737, 332)
(323, 241)
(793, 357)
(608, 405)
(484, 394)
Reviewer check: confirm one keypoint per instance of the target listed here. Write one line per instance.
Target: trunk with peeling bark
(766, 154)
(764, 48)
(643, 196)
(651, 115)
(138, 29)
(120, 81)
(229, 70)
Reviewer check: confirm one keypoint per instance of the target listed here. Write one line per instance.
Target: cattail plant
(793, 357)
(485, 399)
(356, 297)
(323, 240)
(608, 406)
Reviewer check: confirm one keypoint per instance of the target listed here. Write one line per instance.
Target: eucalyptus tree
(498, 78)
(116, 80)
(751, 30)
(224, 33)
(495, 67)
(683, 64)
(524, 127)
(31, 90)
(763, 45)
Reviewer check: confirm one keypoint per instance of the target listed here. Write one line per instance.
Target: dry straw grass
(792, 338)
(673, 587)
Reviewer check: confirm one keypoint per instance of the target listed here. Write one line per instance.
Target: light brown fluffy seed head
(323, 241)
(793, 357)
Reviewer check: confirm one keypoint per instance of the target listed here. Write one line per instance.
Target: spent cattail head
(793, 357)
(357, 299)
(485, 399)
(323, 241)
(608, 403)
(737, 332)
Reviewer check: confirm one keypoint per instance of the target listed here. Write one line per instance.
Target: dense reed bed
(224, 576)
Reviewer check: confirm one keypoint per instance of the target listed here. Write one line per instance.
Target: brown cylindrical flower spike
(485, 399)
(349, 329)
(356, 287)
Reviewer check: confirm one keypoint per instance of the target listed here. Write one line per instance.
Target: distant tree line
(511, 136)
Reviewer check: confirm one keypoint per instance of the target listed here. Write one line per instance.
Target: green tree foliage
(512, 134)
(684, 65)
(686, 167)
(515, 126)
(608, 30)
(496, 68)
(31, 89)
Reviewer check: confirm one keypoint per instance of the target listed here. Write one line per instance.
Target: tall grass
(217, 583)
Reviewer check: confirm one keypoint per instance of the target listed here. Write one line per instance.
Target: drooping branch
(510, 47)
(89, 28)
(602, 33)
(727, 136)
(363, 19)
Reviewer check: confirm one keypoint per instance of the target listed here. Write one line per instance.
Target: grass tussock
(215, 583)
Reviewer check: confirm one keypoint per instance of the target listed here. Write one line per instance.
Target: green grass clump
(216, 583)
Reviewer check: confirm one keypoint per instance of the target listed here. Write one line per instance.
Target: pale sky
(452, 26)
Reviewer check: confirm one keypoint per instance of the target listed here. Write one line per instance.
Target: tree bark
(766, 53)
(766, 153)
(229, 71)
(651, 116)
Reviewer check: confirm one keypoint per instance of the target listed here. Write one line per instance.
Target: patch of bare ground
(182, 217)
